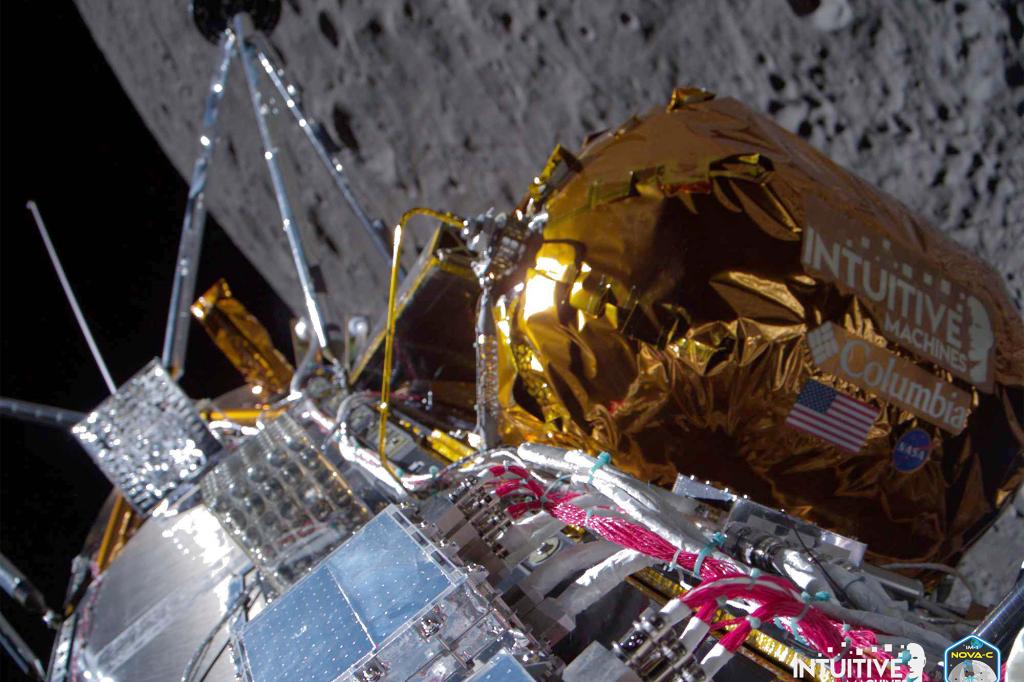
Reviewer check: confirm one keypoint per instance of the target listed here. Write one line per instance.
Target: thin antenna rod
(82, 324)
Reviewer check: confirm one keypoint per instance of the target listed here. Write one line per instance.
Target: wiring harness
(766, 598)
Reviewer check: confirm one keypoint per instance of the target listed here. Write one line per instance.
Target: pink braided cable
(773, 594)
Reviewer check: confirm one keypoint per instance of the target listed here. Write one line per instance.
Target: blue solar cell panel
(308, 635)
(502, 668)
(369, 589)
(386, 576)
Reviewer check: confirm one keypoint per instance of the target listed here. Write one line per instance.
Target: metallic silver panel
(801, 533)
(502, 668)
(147, 438)
(147, 614)
(359, 599)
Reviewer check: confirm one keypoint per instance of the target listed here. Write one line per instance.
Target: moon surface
(456, 104)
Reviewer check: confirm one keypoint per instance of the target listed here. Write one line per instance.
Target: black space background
(71, 140)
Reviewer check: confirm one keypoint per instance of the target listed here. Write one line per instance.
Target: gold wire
(389, 334)
(105, 553)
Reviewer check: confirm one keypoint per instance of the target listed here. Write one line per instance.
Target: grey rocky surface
(456, 104)
(996, 559)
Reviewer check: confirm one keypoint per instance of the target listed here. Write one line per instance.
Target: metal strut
(45, 415)
(20, 652)
(324, 146)
(187, 265)
(214, 20)
(288, 224)
(72, 300)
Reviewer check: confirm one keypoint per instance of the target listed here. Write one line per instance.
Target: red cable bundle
(614, 529)
(721, 581)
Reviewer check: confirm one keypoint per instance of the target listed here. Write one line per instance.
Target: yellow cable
(443, 216)
(103, 556)
(389, 333)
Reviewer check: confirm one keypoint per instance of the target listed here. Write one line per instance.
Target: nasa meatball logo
(972, 659)
(912, 450)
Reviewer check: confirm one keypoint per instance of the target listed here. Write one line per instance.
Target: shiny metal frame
(253, 49)
(21, 652)
(249, 56)
(322, 143)
(187, 264)
(44, 415)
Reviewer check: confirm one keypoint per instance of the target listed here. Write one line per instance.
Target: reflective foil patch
(670, 330)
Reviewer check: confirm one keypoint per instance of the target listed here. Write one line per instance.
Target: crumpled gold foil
(664, 319)
(243, 339)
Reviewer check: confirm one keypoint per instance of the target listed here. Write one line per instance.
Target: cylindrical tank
(712, 296)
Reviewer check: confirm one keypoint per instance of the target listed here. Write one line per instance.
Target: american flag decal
(832, 416)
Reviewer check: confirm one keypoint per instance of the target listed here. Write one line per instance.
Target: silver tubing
(187, 265)
(20, 652)
(288, 223)
(70, 294)
(21, 590)
(486, 370)
(303, 371)
(1004, 621)
(39, 414)
(322, 143)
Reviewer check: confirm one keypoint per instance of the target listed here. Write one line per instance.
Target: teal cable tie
(544, 495)
(717, 540)
(675, 557)
(807, 599)
(603, 459)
